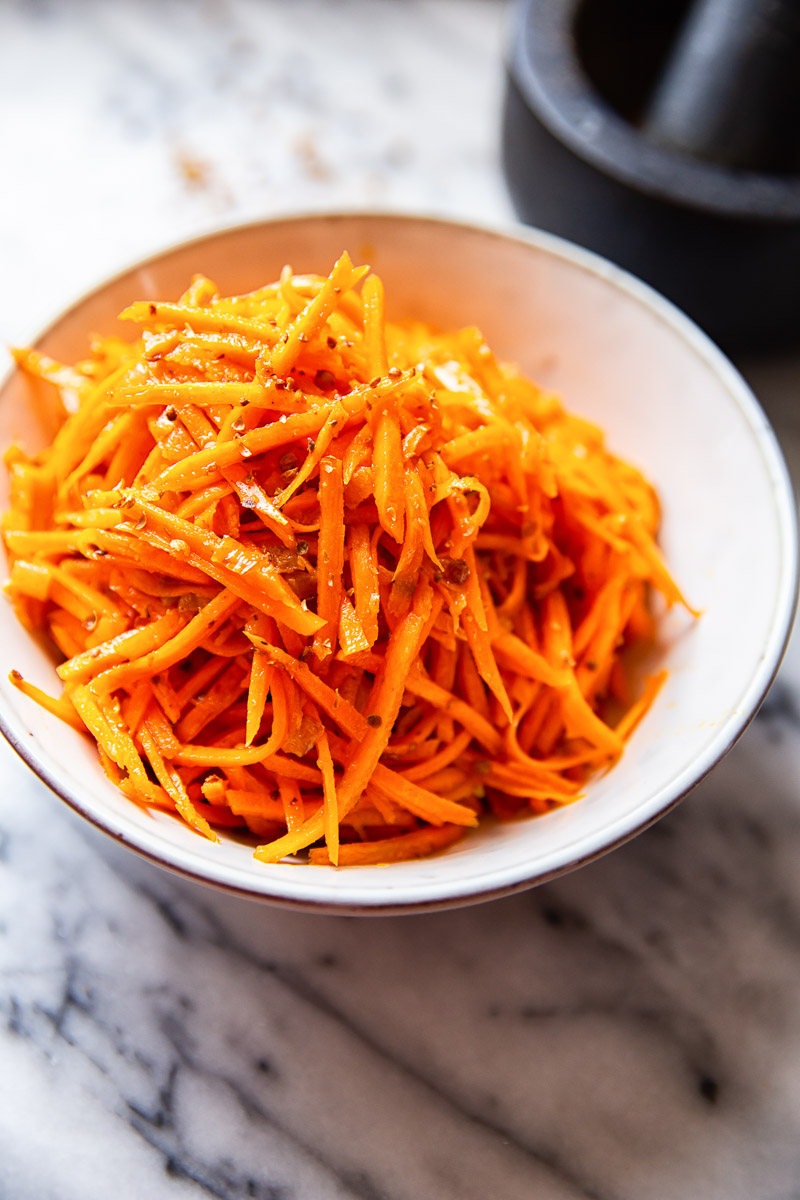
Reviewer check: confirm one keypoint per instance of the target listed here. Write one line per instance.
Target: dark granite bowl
(723, 244)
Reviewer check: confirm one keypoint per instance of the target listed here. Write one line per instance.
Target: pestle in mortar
(730, 92)
(628, 129)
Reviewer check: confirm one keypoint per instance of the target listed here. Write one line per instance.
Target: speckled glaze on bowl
(619, 354)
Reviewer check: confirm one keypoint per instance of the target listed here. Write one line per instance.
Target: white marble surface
(631, 1032)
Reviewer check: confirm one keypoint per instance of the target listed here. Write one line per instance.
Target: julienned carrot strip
(374, 326)
(161, 730)
(334, 423)
(330, 807)
(330, 555)
(298, 618)
(131, 644)
(352, 638)
(427, 690)
(384, 704)
(117, 745)
(173, 785)
(181, 644)
(253, 497)
(481, 647)
(364, 573)
(420, 801)
(31, 579)
(394, 849)
(221, 696)
(514, 654)
(387, 466)
(356, 727)
(260, 676)
(387, 581)
(448, 753)
(200, 392)
(343, 277)
(226, 551)
(406, 571)
(102, 446)
(44, 542)
(61, 707)
(281, 717)
(195, 469)
(224, 756)
(43, 367)
(182, 315)
(417, 511)
(292, 802)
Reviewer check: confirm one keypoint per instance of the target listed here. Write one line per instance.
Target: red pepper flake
(456, 571)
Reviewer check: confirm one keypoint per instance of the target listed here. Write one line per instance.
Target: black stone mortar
(608, 141)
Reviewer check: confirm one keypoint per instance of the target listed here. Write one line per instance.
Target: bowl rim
(508, 880)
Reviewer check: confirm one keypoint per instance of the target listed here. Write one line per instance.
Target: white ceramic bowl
(618, 353)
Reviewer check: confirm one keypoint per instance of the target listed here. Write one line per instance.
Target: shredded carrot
(351, 584)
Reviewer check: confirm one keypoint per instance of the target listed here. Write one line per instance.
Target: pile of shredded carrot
(344, 583)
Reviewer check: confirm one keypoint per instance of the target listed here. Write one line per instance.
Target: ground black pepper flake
(374, 721)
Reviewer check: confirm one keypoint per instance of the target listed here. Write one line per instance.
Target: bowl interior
(618, 355)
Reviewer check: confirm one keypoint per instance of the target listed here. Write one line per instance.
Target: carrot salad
(344, 583)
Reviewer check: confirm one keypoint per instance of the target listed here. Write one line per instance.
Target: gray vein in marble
(299, 986)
